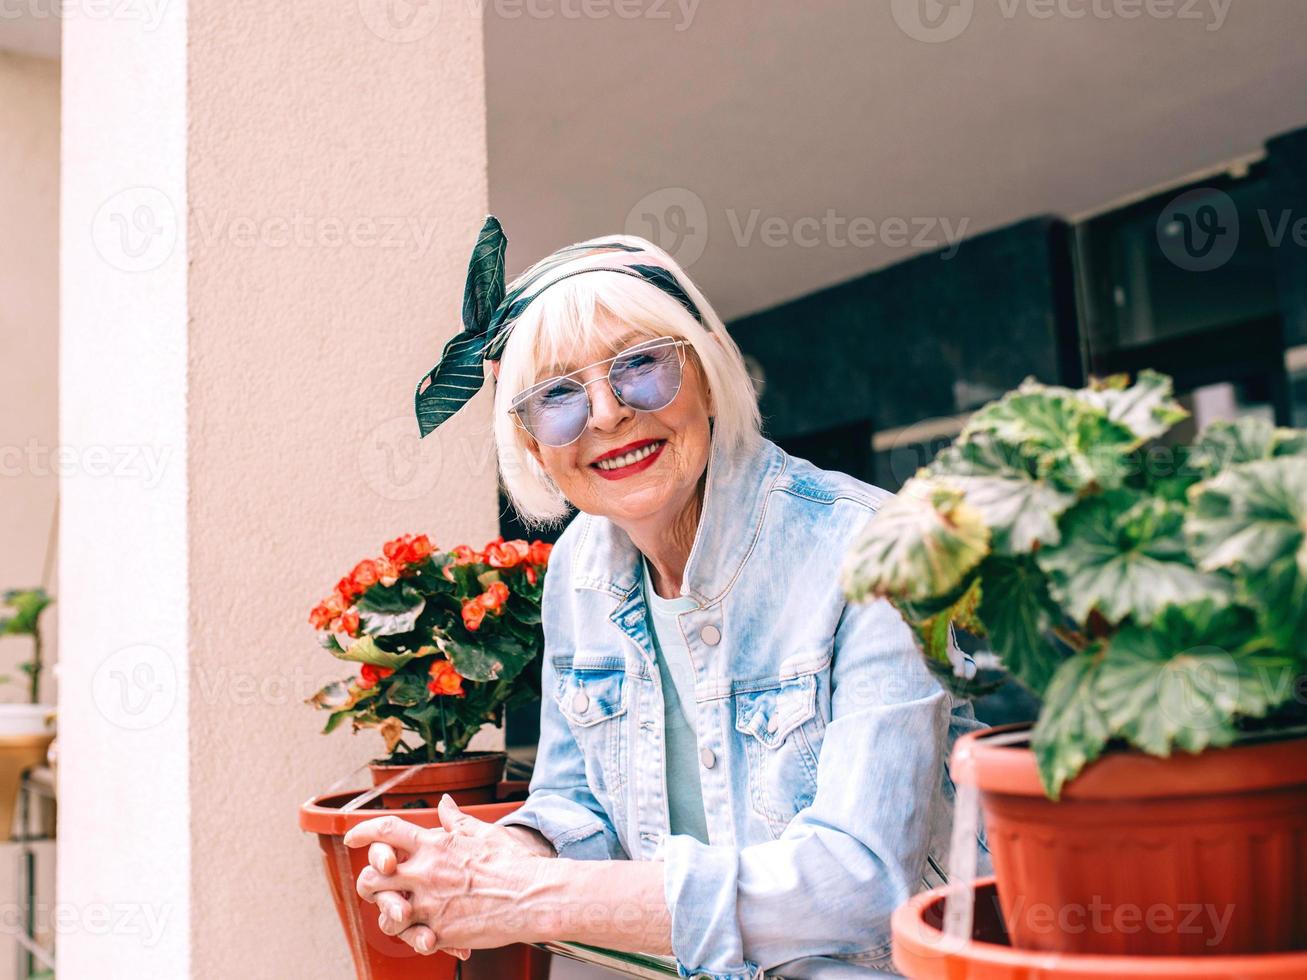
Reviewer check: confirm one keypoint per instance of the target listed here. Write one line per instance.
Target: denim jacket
(823, 739)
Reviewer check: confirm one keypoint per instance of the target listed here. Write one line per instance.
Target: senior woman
(736, 767)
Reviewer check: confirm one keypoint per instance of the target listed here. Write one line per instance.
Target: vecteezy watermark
(143, 919)
(397, 464)
(135, 687)
(136, 229)
(677, 220)
(1100, 917)
(673, 218)
(404, 21)
(934, 21)
(1199, 230)
(139, 462)
(147, 12)
(299, 229)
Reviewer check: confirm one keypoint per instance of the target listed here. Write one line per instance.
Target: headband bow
(489, 314)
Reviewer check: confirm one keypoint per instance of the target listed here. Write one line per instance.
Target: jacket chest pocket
(594, 703)
(779, 725)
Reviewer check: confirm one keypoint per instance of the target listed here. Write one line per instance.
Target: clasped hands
(448, 888)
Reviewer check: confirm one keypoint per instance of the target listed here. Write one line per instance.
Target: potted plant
(1154, 598)
(442, 640)
(26, 728)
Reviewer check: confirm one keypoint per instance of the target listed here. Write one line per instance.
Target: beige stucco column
(266, 216)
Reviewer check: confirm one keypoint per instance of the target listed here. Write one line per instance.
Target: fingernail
(424, 944)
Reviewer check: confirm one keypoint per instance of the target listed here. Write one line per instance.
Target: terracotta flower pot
(470, 779)
(381, 957)
(922, 952)
(1192, 855)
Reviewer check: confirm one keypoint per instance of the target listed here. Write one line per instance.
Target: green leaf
(493, 657)
(1252, 519)
(1123, 553)
(1018, 615)
(1069, 441)
(366, 651)
(918, 545)
(1245, 440)
(1182, 682)
(328, 641)
(27, 604)
(390, 610)
(1146, 407)
(333, 720)
(406, 691)
(1071, 731)
(1020, 509)
(523, 610)
(1251, 515)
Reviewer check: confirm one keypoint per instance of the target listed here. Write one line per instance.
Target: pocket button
(711, 635)
(774, 725)
(580, 702)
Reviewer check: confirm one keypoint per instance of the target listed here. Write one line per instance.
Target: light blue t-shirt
(684, 793)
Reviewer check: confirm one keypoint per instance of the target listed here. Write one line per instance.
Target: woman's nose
(606, 412)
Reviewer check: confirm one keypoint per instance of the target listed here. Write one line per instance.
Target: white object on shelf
(26, 719)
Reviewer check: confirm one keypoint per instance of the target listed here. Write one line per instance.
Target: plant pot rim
(467, 758)
(1268, 763)
(919, 951)
(323, 815)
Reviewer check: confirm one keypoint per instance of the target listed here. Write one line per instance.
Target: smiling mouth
(628, 459)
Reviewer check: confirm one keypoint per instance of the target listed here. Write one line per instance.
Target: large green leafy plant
(1150, 595)
(444, 641)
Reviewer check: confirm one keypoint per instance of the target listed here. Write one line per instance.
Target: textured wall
(336, 181)
(287, 195)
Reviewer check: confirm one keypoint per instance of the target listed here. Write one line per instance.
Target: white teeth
(619, 461)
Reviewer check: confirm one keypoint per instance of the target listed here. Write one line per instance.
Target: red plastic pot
(376, 955)
(470, 779)
(1193, 855)
(922, 952)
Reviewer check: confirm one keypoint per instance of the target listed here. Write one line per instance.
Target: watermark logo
(677, 219)
(1199, 230)
(400, 21)
(673, 218)
(136, 229)
(932, 21)
(396, 463)
(136, 687)
(147, 12)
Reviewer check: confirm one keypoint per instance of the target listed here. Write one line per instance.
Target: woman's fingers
(396, 913)
(382, 857)
(399, 834)
(423, 939)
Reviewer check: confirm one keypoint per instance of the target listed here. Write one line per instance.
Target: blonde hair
(575, 313)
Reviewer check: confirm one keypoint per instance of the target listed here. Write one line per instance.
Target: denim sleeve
(828, 885)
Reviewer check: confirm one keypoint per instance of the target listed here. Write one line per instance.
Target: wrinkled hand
(405, 893)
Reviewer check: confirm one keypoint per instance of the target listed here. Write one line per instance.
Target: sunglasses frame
(654, 343)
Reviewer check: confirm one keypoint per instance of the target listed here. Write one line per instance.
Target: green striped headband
(489, 315)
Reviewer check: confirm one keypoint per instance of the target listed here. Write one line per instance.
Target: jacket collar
(735, 495)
